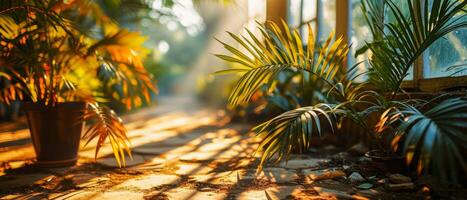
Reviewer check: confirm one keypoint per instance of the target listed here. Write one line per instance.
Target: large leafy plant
(423, 130)
(281, 50)
(46, 59)
(397, 44)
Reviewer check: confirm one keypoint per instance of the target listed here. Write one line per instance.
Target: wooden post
(276, 10)
(343, 19)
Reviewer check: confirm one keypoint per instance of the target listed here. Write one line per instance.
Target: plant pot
(385, 162)
(55, 132)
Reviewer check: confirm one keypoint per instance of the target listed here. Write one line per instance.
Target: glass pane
(308, 14)
(293, 13)
(359, 34)
(327, 18)
(308, 10)
(451, 50)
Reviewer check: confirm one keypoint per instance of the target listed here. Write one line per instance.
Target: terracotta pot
(384, 162)
(55, 132)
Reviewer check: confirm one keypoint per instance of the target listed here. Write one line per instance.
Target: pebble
(399, 186)
(322, 174)
(356, 177)
(399, 178)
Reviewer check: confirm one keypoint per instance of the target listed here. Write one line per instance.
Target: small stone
(364, 159)
(382, 181)
(365, 186)
(399, 178)
(303, 163)
(399, 186)
(322, 174)
(356, 177)
(345, 167)
(358, 149)
(372, 193)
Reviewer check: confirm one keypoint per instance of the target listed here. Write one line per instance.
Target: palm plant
(399, 43)
(283, 49)
(425, 126)
(419, 130)
(47, 60)
(431, 137)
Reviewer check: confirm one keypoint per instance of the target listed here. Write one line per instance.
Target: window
(446, 59)
(300, 13)
(359, 33)
(445, 54)
(326, 18)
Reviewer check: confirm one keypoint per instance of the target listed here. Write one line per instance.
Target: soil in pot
(387, 162)
(55, 132)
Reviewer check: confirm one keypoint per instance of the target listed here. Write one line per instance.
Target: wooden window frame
(277, 9)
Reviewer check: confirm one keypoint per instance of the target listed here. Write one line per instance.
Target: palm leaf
(435, 138)
(408, 36)
(293, 130)
(281, 49)
(107, 125)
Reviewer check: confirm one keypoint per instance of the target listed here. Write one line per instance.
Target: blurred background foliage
(171, 34)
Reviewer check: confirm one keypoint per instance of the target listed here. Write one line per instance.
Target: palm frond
(281, 49)
(293, 130)
(433, 140)
(122, 53)
(107, 125)
(409, 36)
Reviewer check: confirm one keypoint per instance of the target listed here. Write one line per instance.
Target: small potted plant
(60, 75)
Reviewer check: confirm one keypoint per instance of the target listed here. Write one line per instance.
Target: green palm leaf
(433, 139)
(293, 130)
(281, 49)
(408, 36)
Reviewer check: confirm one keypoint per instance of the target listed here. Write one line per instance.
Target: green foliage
(281, 50)
(293, 130)
(426, 134)
(408, 36)
(431, 137)
(46, 59)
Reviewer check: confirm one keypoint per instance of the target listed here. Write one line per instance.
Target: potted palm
(430, 138)
(60, 73)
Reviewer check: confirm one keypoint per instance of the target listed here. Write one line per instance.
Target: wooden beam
(343, 19)
(276, 10)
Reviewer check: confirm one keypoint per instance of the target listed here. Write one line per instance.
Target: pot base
(53, 164)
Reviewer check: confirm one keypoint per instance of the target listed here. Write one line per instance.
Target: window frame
(343, 28)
